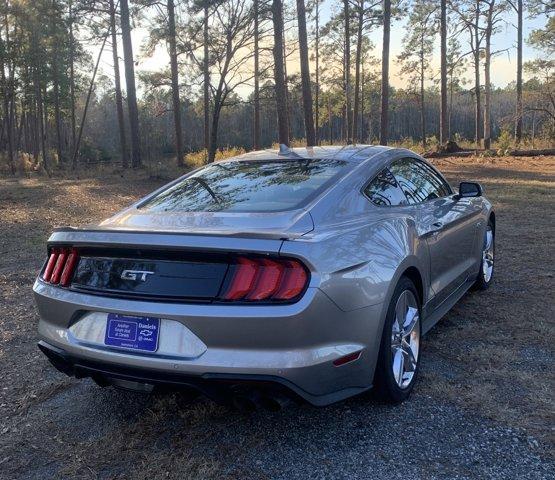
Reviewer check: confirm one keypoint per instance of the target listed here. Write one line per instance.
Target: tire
(485, 275)
(392, 382)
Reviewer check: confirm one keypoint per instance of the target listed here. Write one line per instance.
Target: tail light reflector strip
(47, 275)
(69, 268)
(61, 266)
(243, 279)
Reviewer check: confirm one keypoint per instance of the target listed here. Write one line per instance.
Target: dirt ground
(483, 406)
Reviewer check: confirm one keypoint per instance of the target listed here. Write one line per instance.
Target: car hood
(275, 224)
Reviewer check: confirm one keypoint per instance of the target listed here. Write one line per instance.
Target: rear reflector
(347, 358)
(261, 279)
(61, 266)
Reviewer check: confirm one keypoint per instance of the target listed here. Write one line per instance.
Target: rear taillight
(262, 279)
(61, 266)
(47, 275)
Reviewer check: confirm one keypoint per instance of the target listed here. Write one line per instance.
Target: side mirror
(469, 190)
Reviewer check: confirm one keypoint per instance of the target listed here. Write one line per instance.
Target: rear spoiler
(260, 242)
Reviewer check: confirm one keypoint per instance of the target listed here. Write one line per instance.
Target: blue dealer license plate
(135, 333)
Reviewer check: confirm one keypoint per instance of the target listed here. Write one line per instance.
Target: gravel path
(94, 433)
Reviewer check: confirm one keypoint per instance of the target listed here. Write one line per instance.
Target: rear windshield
(248, 186)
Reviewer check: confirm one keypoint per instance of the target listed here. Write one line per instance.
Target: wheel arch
(492, 218)
(413, 270)
(414, 275)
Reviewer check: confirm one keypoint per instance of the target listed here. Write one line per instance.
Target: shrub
(504, 142)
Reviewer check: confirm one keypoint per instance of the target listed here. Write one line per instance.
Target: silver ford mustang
(309, 272)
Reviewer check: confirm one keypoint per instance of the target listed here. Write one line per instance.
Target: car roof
(350, 153)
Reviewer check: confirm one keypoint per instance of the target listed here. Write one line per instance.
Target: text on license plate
(135, 333)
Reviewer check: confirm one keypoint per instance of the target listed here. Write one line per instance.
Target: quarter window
(385, 191)
(419, 181)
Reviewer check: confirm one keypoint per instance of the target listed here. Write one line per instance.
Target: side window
(442, 186)
(418, 181)
(384, 190)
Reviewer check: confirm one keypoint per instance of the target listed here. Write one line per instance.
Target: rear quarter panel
(357, 251)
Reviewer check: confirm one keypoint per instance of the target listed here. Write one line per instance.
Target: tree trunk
(56, 86)
(72, 72)
(330, 122)
(256, 113)
(422, 99)
(20, 130)
(206, 81)
(317, 79)
(286, 81)
(57, 113)
(478, 105)
(443, 123)
(130, 82)
(384, 115)
(305, 75)
(214, 130)
(347, 72)
(46, 130)
(6, 104)
(279, 75)
(519, 113)
(175, 85)
(450, 110)
(487, 78)
(362, 137)
(11, 92)
(117, 81)
(356, 136)
(40, 112)
(87, 101)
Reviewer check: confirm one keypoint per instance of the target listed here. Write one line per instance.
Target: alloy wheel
(487, 255)
(405, 339)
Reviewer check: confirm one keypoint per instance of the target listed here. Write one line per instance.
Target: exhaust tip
(131, 386)
(274, 403)
(244, 404)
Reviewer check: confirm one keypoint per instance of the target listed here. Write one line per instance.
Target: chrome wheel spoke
(489, 240)
(405, 339)
(398, 366)
(411, 321)
(410, 360)
(400, 311)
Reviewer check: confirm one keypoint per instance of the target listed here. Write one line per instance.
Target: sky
(503, 65)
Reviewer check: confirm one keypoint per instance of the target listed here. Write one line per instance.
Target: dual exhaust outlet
(251, 400)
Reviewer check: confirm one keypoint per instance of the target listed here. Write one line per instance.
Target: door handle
(437, 224)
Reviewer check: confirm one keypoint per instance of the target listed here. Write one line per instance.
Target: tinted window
(419, 181)
(254, 186)
(384, 190)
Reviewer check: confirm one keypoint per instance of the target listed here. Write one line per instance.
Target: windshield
(248, 186)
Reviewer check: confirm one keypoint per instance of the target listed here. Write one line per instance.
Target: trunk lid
(170, 256)
(284, 224)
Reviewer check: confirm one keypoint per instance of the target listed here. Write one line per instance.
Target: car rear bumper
(290, 346)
